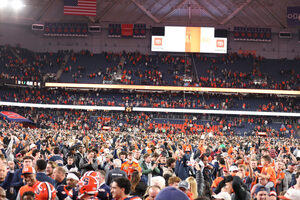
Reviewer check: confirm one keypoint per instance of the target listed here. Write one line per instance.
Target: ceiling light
(3, 3)
(17, 4)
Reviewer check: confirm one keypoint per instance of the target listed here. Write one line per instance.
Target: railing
(172, 88)
(148, 109)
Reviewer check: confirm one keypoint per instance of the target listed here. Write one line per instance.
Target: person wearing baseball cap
(233, 169)
(184, 186)
(261, 193)
(171, 193)
(29, 175)
(35, 186)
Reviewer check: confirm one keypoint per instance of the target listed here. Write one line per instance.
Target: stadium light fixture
(17, 4)
(3, 3)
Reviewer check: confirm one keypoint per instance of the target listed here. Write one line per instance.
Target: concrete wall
(97, 42)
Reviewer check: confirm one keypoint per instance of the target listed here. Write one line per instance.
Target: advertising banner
(293, 16)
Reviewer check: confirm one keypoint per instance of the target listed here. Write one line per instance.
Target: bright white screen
(189, 39)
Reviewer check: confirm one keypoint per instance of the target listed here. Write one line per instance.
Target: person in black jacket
(88, 163)
(138, 188)
(6, 178)
(41, 175)
(59, 176)
(64, 190)
(199, 179)
(240, 189)
(77, 157)
(116, 172)
(234, 183)
(79, 154)
(103, 190)
(44, 151)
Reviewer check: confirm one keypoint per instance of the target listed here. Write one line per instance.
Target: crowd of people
(77, 154)
(174, 70)
(154, 100)
(24, 65)
(159, 122)
(136, 68)
(59, 164)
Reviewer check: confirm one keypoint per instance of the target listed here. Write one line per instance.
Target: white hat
(106, 151)
(233, 168)
(225, 154)
(222, 195)
(32, 146)
(72, 176)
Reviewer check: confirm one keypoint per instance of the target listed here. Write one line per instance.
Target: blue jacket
(17, 181)
(7, 181)
(62, 192)
(104, 192)
(41, 176)
(181, 168)
(6, 184)
(58, 159)
(293, 181)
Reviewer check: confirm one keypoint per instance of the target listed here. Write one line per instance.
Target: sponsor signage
(293, 16)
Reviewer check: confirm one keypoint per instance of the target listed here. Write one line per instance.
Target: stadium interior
(104, 72)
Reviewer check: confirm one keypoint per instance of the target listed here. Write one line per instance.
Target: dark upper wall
(98, 42)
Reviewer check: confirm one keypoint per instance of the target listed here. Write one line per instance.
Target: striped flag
(80, 7)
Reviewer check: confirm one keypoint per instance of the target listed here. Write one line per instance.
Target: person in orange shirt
(267, 171)
(130, 166)
(265, 152)
(42, 190)
(30, 179)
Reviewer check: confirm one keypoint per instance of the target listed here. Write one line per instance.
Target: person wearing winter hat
(171, 193)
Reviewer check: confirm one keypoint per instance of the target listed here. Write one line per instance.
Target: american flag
(80, 7)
